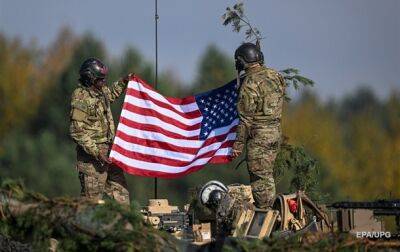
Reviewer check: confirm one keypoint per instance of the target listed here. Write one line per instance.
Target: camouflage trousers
(98, 180)
(261, 155)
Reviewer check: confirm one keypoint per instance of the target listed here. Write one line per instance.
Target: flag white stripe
(181, 108)
(159, 123)
(166, 112)
(153, 151)
(162, 167)
(150, 135)
(186, 157)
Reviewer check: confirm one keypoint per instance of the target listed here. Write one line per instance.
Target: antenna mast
(156, 17)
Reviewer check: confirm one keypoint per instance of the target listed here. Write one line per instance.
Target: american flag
(165, 137)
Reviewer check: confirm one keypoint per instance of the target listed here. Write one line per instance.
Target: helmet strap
(85, 81)
(238, 78)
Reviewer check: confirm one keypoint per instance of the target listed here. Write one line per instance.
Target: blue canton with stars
(218, 108)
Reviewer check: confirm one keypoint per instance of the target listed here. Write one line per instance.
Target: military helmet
(246, 54)
(211, 193)
(215, 199)
(92, 69)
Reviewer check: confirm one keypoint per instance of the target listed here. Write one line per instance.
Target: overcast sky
(338, 43)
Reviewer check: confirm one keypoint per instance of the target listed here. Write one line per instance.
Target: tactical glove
(127, 78)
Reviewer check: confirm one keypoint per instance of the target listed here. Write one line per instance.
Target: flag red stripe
(145, 96)
(166, 119)
(176, 101)
(169, 146)
(166, 161)
(158, 174)
(153, 128)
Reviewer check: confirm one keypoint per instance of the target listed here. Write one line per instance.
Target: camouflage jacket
(91, 118)
(260, 104)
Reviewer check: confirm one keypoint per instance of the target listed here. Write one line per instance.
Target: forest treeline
(356, 139)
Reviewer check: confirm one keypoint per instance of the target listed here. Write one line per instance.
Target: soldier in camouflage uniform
(92, 128)
(259, 107)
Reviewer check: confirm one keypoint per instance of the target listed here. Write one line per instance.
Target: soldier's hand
(127, 78)
(235, 153)
(236, 149)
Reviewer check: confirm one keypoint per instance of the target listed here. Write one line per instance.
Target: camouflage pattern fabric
(259, 107)
(92, 128)
(241, 191)
(229, 212)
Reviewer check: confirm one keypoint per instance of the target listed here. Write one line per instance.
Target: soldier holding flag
(92, 128)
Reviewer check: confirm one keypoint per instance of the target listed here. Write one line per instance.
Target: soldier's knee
(118, 192)
(260, 165)
(122, 197)
(263, 185)
(260, 170)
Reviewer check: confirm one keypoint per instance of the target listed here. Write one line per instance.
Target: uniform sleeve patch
(78, 115)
